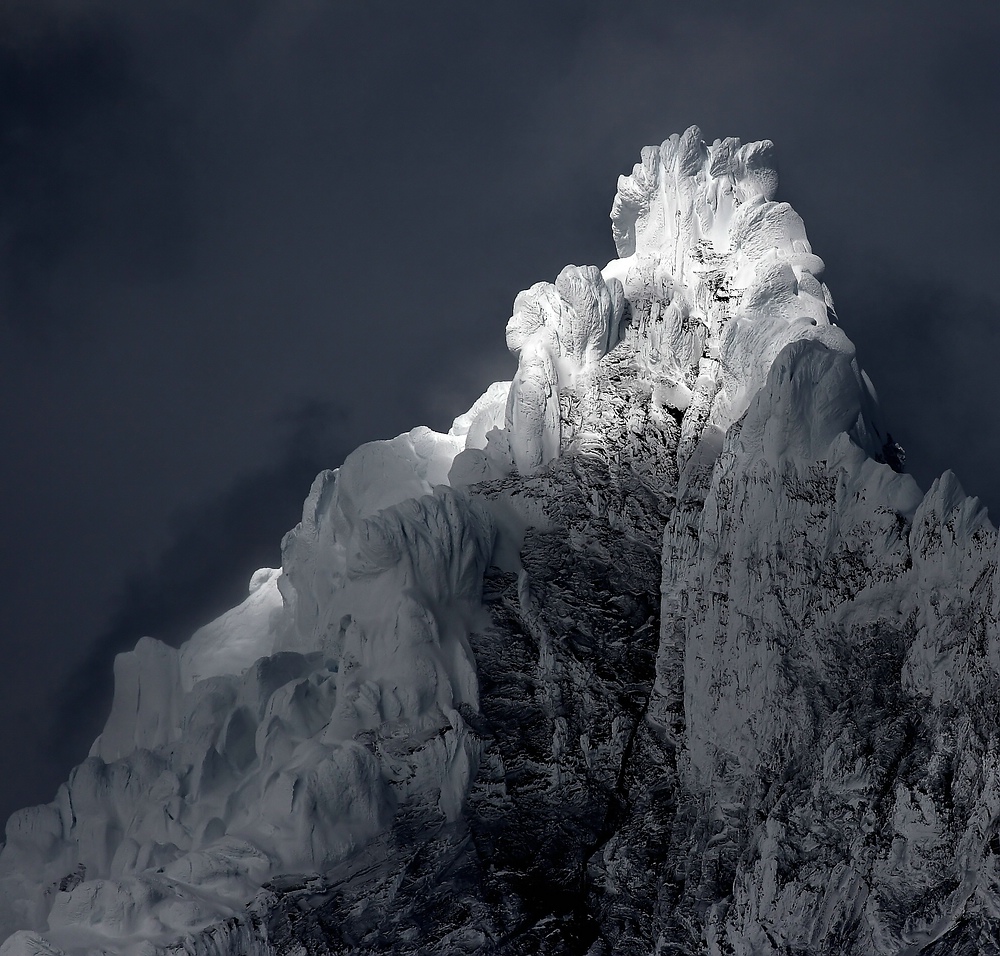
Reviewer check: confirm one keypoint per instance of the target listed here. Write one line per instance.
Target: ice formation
(655, 651)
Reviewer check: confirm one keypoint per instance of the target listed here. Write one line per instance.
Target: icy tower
(656, 651)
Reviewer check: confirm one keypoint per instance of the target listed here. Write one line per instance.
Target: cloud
(92, 175)
(204, 570)
(930, 346)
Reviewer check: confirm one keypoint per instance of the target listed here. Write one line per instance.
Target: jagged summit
(654, 651)
(714, 279)
(731, 270)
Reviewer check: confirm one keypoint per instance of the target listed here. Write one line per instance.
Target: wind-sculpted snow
(720, 277)
(656, 651)
(214, 773)
(561, 332)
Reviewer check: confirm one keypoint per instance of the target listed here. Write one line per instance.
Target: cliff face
(656, 651)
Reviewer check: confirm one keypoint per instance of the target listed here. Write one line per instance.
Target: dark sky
(240, 237)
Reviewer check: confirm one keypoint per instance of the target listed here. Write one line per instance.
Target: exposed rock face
(655, 652)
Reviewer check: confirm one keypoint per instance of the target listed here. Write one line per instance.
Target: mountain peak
(655, 649)
(714, 280)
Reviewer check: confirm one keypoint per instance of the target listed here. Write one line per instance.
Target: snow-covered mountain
(656, 651)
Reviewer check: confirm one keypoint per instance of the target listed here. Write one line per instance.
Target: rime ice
(653, 651)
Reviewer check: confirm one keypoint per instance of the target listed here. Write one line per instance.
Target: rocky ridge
(657, 651)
